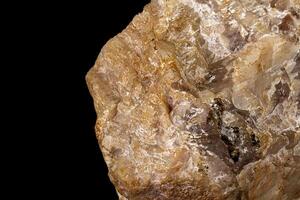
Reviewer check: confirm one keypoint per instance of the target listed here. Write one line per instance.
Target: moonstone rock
(200, 99)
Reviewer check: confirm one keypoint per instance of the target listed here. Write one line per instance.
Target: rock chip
(200, 99)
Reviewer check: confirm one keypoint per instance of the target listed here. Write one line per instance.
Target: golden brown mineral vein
(200, 99)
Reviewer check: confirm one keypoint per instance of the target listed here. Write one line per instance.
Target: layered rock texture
(200, 99)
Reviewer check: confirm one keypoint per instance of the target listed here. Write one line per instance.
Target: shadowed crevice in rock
(230, 141)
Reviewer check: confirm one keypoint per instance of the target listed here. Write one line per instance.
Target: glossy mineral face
(200, 99)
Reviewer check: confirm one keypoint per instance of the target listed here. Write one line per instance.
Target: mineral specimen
(200, 99)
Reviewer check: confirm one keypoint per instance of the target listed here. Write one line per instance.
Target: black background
(83, 30)
(51, 46)
(94, 24)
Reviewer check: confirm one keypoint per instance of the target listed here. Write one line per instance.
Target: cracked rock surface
(200, 99)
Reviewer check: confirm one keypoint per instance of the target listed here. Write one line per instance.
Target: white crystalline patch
(228, 117)
(220, 177)
(233, 23)
(213, 28)
(215, 45)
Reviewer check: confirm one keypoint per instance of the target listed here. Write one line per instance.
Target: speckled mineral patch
(200, 99)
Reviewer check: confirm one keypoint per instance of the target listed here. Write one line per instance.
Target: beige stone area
(200, 100)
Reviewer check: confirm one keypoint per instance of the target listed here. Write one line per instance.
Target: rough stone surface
(200, 99)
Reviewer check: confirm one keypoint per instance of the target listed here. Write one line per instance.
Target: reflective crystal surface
(200, 99)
